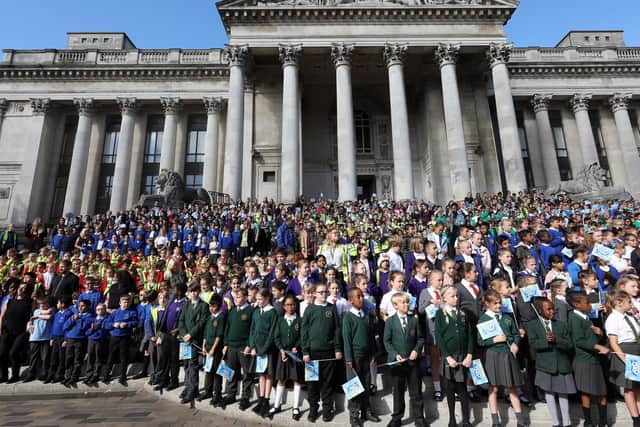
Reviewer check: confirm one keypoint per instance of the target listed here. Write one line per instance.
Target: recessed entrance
(366, 186)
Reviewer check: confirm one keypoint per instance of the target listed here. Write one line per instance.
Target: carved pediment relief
(234, 4)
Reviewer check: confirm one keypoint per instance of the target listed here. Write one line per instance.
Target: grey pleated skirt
(616, 368)
(589, 378)
(502, 369)
(459, 374)
(289, 370)
(561, 383)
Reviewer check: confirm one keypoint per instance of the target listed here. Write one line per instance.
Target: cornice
(124, 73)
(554, 70)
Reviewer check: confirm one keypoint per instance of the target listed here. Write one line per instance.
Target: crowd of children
(372, 287)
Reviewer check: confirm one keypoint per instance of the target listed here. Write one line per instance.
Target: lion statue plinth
(172, 192)
(589, 185)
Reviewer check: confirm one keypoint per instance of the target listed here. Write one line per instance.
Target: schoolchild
(40, 327)
(549, 338)
(93, 295)
(57, 360)
(296, 285)
(432, 296)
(309, 293)
(120, 324)
(236, 349)
(453, 335)
(75, 338)
(558, 289)
(403, 341)
(321, 339)
(359, 344)
(261, 343)
(501, 364)
(193, 316)
(587, 343)
(96, 345)
(623, 331)
(287, 338)
(212, 343)
(419, 280)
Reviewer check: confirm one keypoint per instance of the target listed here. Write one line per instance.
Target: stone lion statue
(172, 192)
(591, 179)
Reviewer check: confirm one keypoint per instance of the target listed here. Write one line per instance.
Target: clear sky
(39, 24)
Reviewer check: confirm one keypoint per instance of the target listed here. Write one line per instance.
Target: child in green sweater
(262, 345)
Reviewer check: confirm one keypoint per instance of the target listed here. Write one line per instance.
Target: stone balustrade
(109, 57)
(577, 54)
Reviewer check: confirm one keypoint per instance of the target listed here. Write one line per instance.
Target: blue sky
(39, 24)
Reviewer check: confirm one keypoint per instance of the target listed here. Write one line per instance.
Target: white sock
(436, 386)
(296, 395)
(553, 408)
(279, 394)
(564, 409)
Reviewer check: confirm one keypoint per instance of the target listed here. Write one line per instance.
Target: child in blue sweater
(120, 324)
(96, 345)
(75, 339)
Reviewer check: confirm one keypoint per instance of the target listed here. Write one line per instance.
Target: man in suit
(65, 283)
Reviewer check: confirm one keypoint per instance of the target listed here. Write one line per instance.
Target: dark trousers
(450, 389)
(322, 389)
(38, 359)
(213, 381)
(74, 358)
(118, 348)
(57, 359)
(96, 350)
(168, 361)
(360, 404)
(191, 375)
(241, 364)
(11, 353)
(407, 374)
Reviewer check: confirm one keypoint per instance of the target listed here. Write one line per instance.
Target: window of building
(194, 157)
(64, 165)
(594, 116)
(607, 38)
(524, 148)
(107, 167)
(152, 154)
(586, 38)
(562, 155)
(268, 176)
(363, 133)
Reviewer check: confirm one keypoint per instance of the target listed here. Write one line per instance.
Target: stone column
(210, 168)
(120, 185)
(171, 107)
(79, 157)
(341, 55)
(498, 55)
(290, 147)
(236, 56)
(447, 56)
(394, 54)
(619, 104)
(4, 105)
(580, 106)
(540, 104)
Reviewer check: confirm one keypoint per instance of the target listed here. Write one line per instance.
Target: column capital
(499, 53)
(40, 105)
(290, 54)
(394, 53)
(171, 105)
(540, 102)
(4, 105)
(341, 53)
(619, 101)
(447, 53)
(235, 54)
(127, 105)
(214, 105)
(580, 102)
(84, 105)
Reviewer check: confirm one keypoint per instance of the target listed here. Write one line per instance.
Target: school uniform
(553, 360)
(39, 346)
(119, 340)
(416, 286)
(168, 354)
(561, 308)
(75, 336)
(321, 339)
(236, 338)
(261, 337)
(401, 337)
(96, 348)
(193, 317)
(359, 345)
(57, 359)
(586, 366)
(214, 328)
(500, 364)
(428, 296)
(626, 329)
(469, 297)
(286, 337)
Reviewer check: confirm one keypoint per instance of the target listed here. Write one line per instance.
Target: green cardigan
(287, 337)
(213, 329)
(509, 328)
(584, 340)
(263, 328)
(321, 329)
(357, 336)
(453, 337)
(553, 358)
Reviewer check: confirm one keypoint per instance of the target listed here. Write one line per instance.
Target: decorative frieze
(580, 102)
(40, 105)
(214, 105)
(394, 53)
(447, 53)
(84, 105)
(540, 102)
(290, 54)
(535, 70)
(619, 101)
(235, 54)
(171, 105)
(499, 53)
(341, 53)
(115, 74)
(127, 105)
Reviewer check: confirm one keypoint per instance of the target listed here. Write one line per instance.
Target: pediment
(349, 4)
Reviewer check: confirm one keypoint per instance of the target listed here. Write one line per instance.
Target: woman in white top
(334, 252)
(623, 331)
(161, 240)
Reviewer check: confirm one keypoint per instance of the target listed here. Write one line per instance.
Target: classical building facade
(338, 99)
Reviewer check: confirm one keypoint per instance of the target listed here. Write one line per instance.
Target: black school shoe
(244, 404)
(296, 414)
